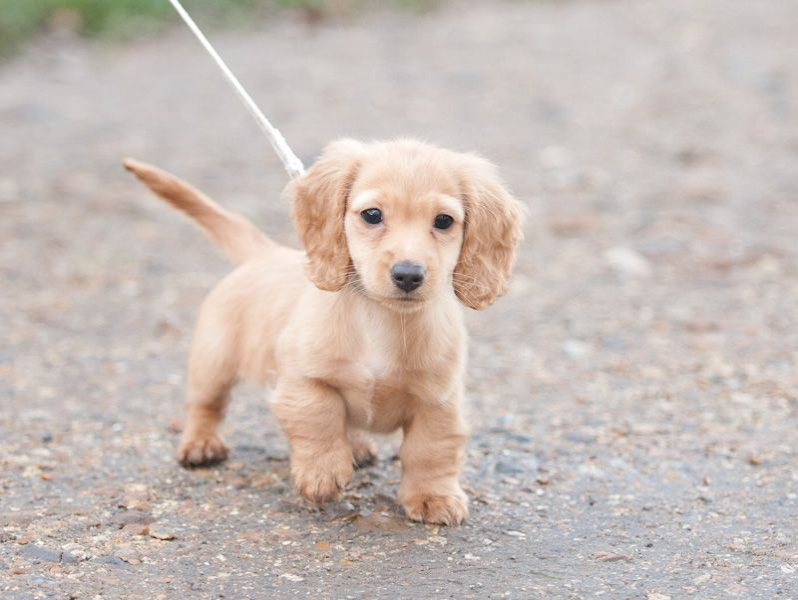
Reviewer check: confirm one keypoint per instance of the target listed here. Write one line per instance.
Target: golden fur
(347, 351)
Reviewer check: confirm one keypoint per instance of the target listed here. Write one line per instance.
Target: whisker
(404, 337)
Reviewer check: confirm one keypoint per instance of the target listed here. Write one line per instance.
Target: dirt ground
(634, 399)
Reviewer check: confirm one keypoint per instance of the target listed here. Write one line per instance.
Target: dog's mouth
(397, 303)
(400, 300)
(403, 305)
(404, 302)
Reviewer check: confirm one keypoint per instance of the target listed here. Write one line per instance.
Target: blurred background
(634, 398)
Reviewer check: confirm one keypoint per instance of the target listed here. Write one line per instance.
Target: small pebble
(161, 534)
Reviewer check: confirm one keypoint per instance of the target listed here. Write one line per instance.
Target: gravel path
(634, 399)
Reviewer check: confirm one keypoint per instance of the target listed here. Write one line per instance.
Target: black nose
(407, 276)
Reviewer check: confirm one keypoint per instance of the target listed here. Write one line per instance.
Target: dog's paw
(202, 451)
(364, 451)
(321, 479)
(441, 509)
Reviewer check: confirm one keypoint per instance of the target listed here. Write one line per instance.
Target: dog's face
(404, 228)
(404, 223)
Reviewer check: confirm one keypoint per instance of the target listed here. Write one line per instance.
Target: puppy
(362, 332)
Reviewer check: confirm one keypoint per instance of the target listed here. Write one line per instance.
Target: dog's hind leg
(212, 374)
(364, 450)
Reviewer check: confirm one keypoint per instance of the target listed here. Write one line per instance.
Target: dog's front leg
(431, 457)
(313, 416)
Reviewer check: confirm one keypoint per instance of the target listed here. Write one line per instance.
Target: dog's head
(404, 222)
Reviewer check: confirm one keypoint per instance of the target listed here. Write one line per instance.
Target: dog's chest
(384, 391)
(388, 373)
(394, 369)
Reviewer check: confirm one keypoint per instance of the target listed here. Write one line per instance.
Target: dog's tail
(238, 238)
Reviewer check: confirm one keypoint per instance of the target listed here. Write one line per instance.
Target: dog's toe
(443, 509)
(202, 451)
(322, 479)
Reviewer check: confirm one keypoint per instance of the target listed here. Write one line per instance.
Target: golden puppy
(369, 335)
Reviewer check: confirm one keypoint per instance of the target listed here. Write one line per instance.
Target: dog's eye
(372, 216)
(443, 222)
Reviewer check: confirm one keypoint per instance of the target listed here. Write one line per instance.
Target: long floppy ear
(318, 208)
(493, 228)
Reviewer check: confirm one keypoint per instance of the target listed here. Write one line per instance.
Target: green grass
(21, 19)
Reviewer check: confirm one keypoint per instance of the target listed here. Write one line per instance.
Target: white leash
(292, 164)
